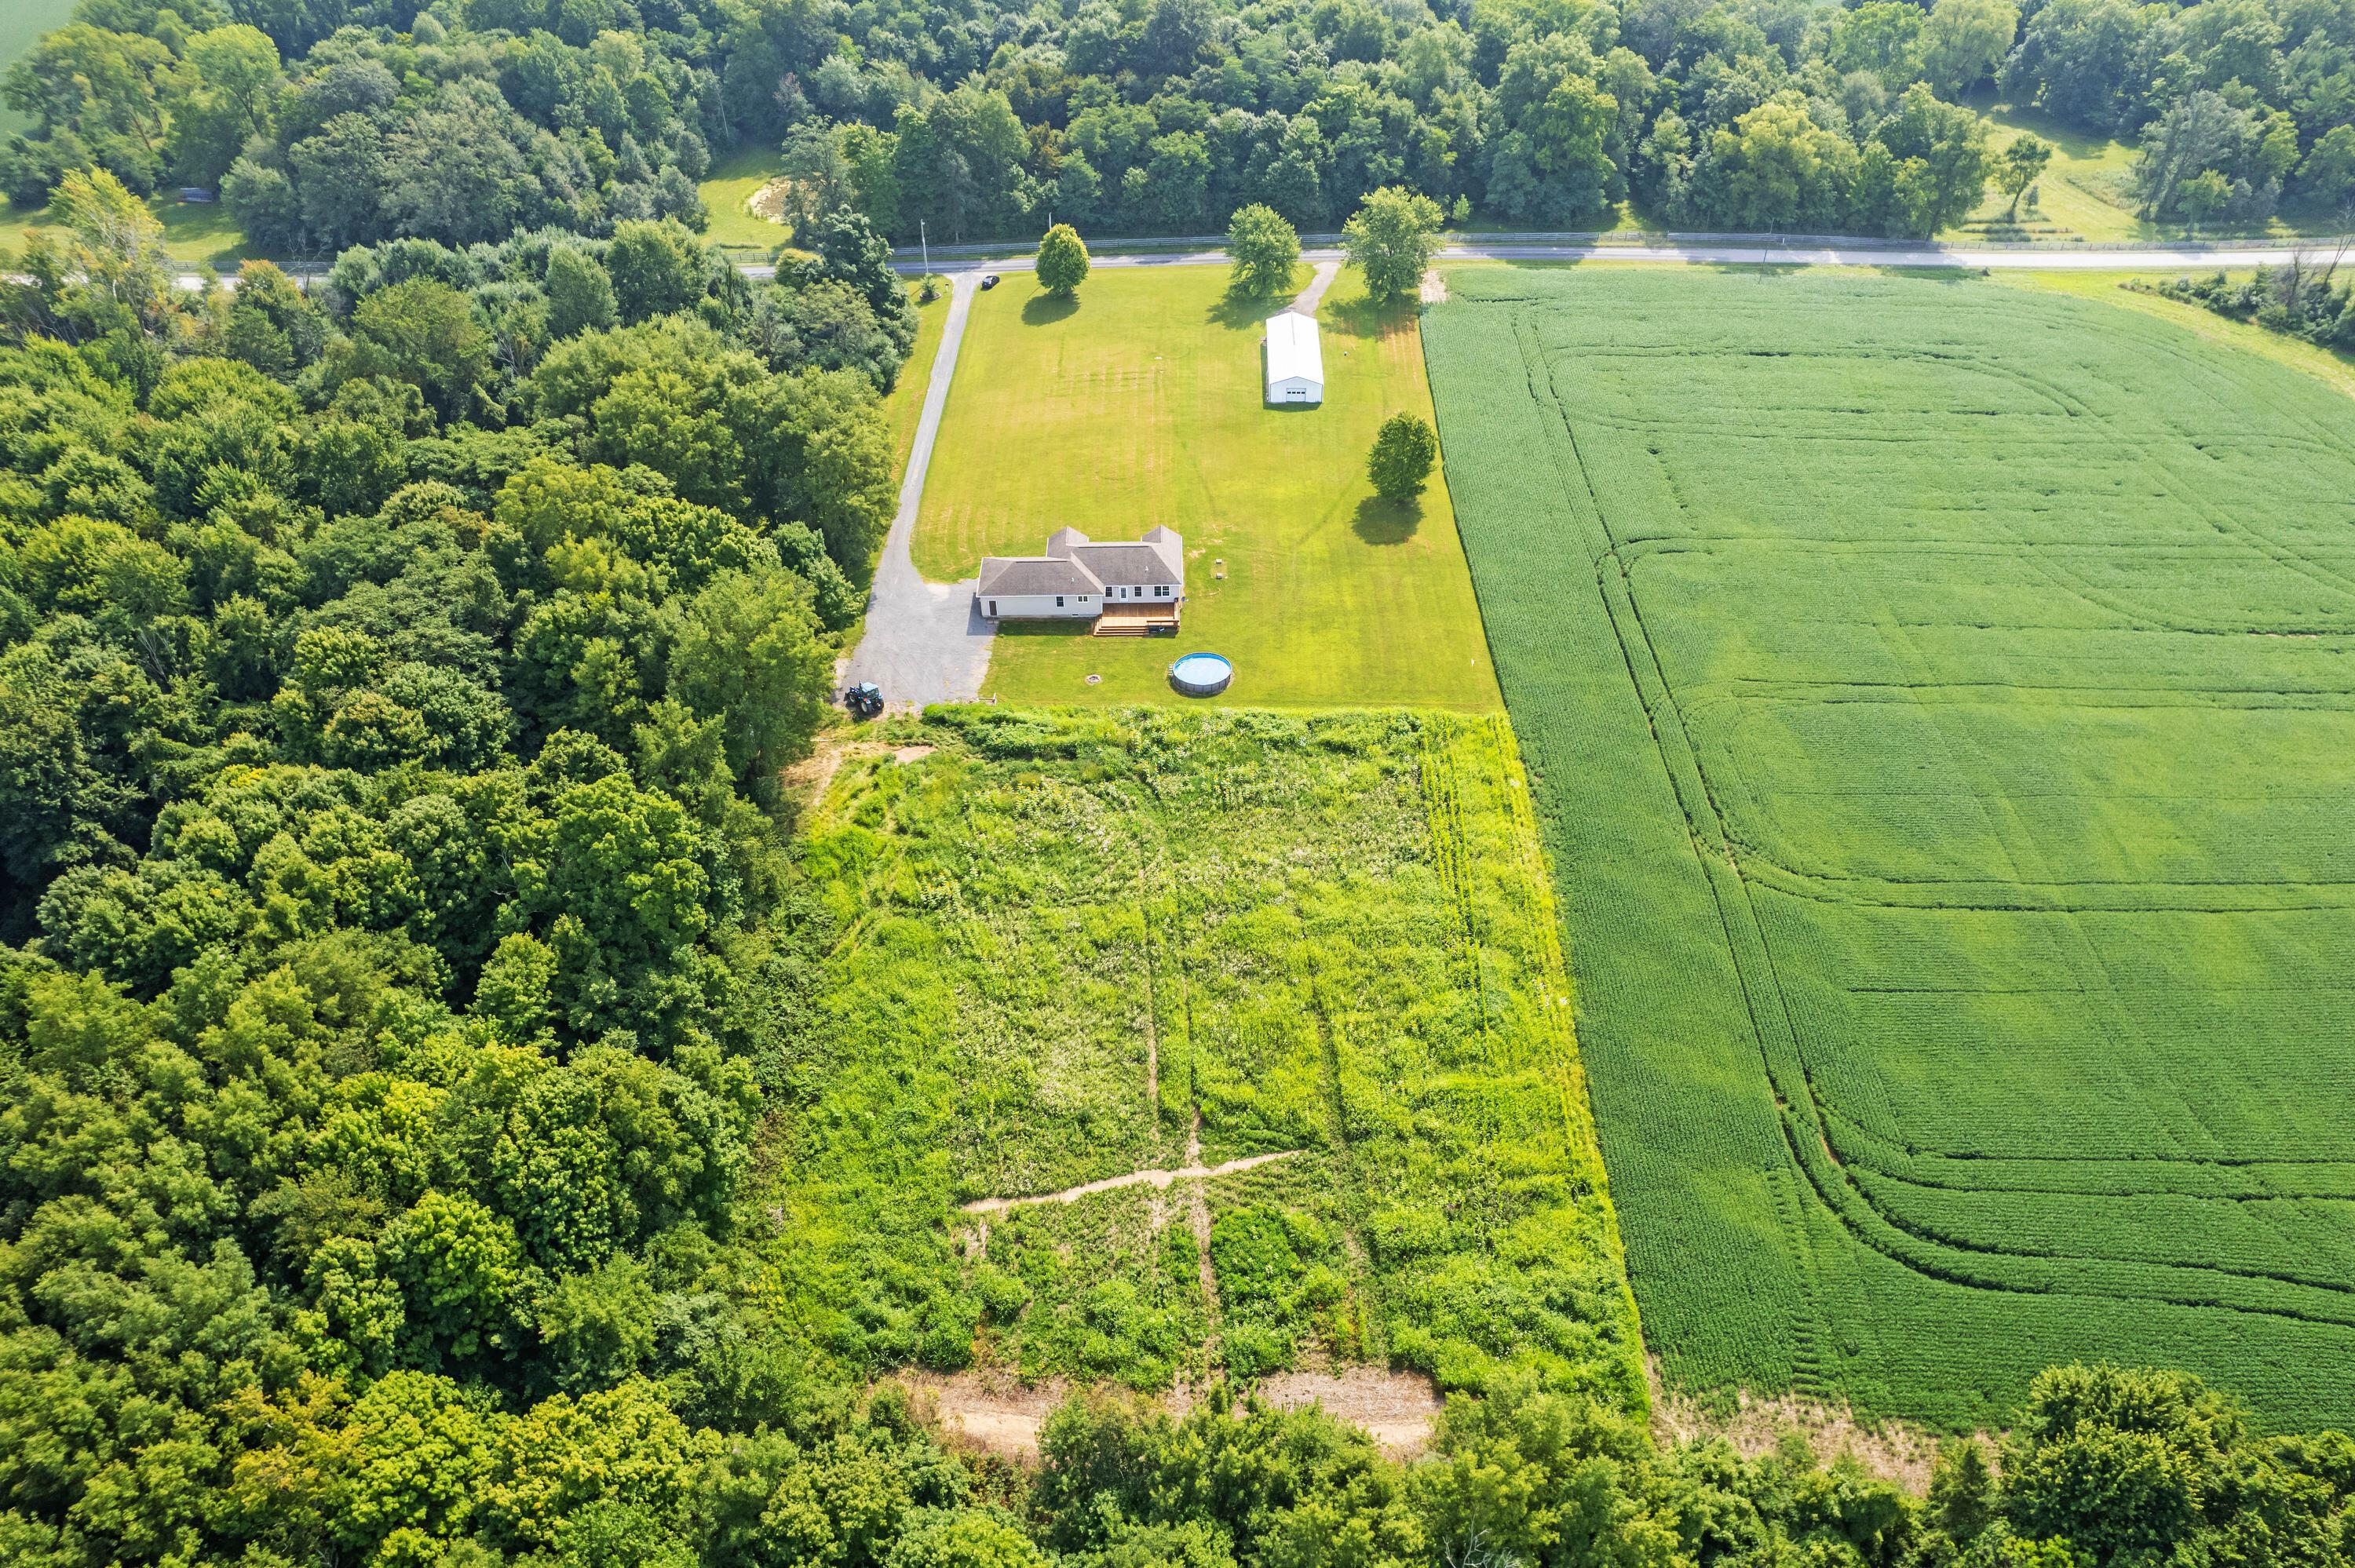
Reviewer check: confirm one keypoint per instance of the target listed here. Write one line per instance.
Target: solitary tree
(2018, 165)
(1264, 249)
(1062, 260)
(1402, 456)
(1392, 239)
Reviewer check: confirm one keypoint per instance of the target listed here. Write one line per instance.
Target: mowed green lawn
(1944, 713)
(2086, 193)
(731, 182)
(1140, 404)
(905, 404)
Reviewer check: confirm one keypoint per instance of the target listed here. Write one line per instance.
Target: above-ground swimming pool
(1201, 675)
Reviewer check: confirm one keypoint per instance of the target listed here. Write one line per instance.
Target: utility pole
(927, 246)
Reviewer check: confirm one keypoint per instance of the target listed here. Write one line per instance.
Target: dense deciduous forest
(398, 947)
(328, 123)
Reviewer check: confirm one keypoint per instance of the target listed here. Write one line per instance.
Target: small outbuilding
(1295, 361)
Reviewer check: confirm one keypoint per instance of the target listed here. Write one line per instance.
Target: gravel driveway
(1313, 295)
(925, 643)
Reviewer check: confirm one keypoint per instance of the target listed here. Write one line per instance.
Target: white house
(1296, 364)
(1123, 588)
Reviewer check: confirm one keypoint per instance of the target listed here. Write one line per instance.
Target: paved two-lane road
(1669, 247)
(1669, 250)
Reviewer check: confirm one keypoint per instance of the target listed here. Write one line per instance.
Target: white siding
(1040, 607)
(1296, 360)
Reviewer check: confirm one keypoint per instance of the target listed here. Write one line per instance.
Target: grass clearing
(1947, 717)
(196, 235)
(1138, 404)
(1075, 946)
(731, 182)
(21, 23)
(2086, 194)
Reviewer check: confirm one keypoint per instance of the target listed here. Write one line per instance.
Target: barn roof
(1293, 350)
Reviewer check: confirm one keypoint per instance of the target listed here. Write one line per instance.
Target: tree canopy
(1263, 249)
(1063, 261)
(324, 125)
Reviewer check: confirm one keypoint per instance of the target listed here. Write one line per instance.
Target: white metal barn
(1295, 364)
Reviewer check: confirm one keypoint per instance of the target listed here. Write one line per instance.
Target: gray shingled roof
(1036, 574)
(1132, 563)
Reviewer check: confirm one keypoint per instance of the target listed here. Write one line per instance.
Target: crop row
(1955, 880)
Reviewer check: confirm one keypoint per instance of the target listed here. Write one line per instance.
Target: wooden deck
(1136, 619)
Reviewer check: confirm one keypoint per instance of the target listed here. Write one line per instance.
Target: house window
(993, 610)
(1059, 602)
(1161, 591)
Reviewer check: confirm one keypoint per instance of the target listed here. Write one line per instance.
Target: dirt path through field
(1192, 1171)
(807, 779)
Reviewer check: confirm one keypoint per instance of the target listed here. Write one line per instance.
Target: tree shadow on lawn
(1383, 522)
(1043, 308)
(1235, 312)
(1358, 316)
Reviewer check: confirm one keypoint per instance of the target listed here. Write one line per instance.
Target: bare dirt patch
(988, 1410)
(1435, 287)
(1755, 1426)
(806, 781)
(1397, 1408)
(768, 201)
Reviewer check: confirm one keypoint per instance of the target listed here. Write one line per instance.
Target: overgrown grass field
(1140, 404)
(1945, 708)
(1072, 947)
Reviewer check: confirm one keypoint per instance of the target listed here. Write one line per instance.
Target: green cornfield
(1939, 695)
(1318, 958)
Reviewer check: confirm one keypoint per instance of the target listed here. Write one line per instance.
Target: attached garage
(1295, 361)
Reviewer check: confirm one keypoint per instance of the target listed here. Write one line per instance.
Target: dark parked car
(989, 280)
